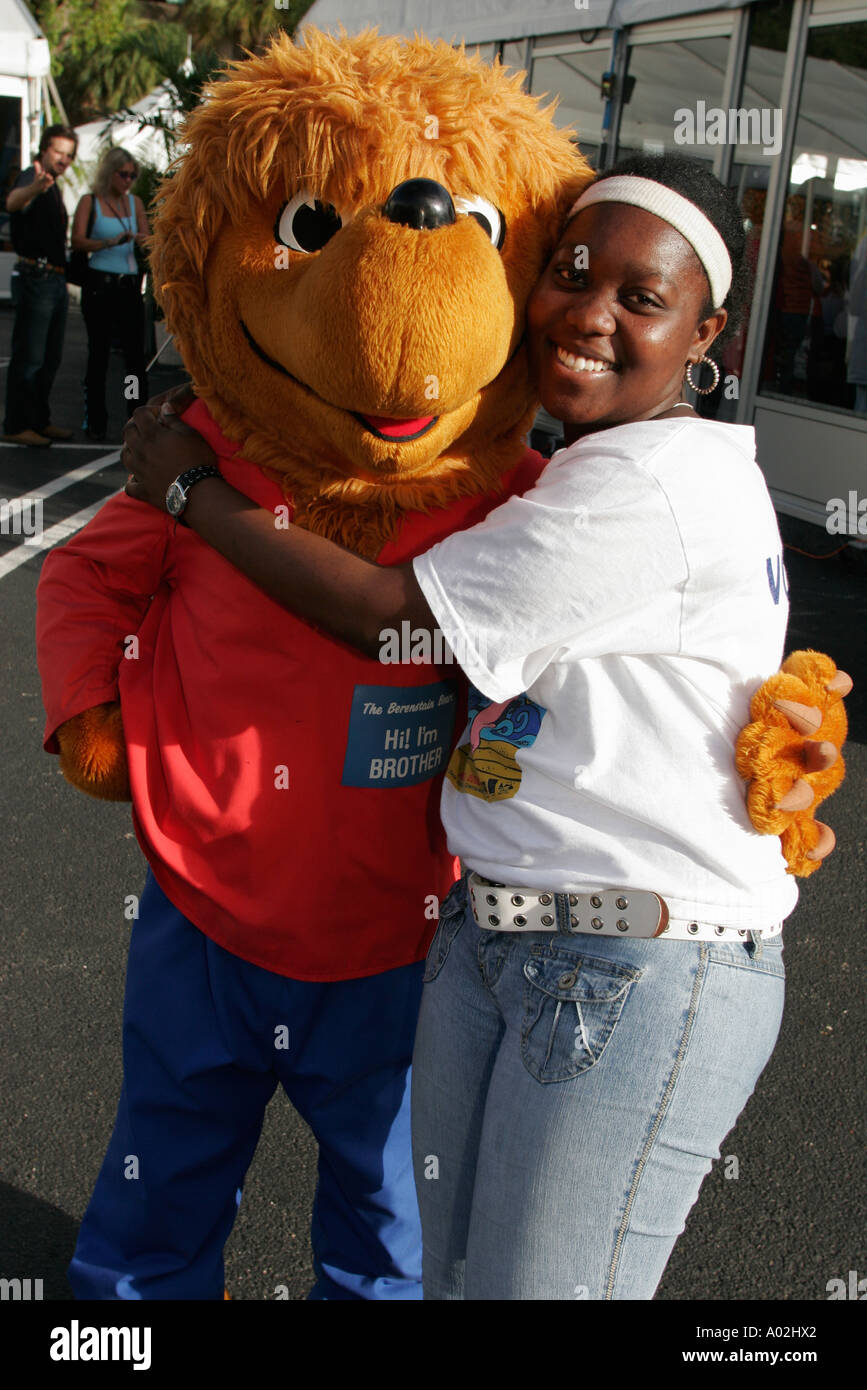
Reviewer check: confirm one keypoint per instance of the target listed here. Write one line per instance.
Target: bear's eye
(489, 218)
(305, 223)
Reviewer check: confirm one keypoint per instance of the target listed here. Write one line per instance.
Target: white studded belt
(602, 912)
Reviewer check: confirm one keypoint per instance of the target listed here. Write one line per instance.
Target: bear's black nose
(420, 203)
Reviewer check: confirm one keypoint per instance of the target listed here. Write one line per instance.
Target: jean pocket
(571, 1005)
(743, 955)
(452, 913)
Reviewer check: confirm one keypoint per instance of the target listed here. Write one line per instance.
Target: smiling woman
(612, 622)
(628, 323)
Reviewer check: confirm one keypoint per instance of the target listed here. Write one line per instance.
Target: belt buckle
(607, 911)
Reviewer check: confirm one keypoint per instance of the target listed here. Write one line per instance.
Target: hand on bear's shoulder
(180, 398)
(93, 753)
(157, 449)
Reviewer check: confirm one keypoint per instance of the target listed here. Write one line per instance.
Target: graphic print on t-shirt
(486, 764)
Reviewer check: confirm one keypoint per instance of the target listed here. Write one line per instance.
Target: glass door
(815, 347)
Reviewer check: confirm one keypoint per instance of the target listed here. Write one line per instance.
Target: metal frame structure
(778, 187)
(734, 23)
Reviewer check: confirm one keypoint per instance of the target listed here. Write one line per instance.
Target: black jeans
(112, 305)
(40, 301)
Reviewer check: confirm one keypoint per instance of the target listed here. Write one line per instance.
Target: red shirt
(285, 788)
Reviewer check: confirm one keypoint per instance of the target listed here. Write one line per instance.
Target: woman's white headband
(683, 215)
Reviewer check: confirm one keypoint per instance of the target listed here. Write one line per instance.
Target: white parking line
(68, 479)
(61, 531)
(8, 444)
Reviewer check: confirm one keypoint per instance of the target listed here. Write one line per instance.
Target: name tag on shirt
(399, 735)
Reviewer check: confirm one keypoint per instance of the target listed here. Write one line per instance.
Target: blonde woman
(111, 295)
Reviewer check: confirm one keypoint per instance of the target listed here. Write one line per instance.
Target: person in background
(827, 361)
(799, 285)
(38, 221)
(111, 300)
(856, 368)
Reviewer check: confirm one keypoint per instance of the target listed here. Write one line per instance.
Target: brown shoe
(29, 437)
(56, 432)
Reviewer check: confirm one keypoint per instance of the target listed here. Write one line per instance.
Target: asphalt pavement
(777, 1223)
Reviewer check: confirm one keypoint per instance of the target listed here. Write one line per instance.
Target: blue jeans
(207, 1038)
(41, 300)
(569, 1095)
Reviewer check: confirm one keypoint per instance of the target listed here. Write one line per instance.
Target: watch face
(175, 500)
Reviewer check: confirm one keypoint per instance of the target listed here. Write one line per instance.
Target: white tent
(24, 67)
(147, 146)
(24, 55)
(486, 21)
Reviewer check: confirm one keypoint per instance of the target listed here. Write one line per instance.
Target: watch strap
(179, 491)
(195, 475)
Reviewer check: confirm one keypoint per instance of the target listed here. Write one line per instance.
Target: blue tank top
(117, 260)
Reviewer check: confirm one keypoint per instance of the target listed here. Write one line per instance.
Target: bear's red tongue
(397, 429)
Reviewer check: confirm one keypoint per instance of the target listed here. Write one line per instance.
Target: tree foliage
(93, 72)
(107, 56)
(183, 77)
(232, 26)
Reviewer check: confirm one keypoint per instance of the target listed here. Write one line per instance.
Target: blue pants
(569, 1095)
(41, 300)
(207, 1037)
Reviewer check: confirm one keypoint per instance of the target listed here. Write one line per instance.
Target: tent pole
(775, 201)
(614, 103)
(528, 65)
(733, 85)
(55, 97)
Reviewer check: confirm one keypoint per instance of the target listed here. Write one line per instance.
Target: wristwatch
(179, 491)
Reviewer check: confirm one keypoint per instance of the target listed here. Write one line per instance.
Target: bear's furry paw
(93, 753)
(790, 755)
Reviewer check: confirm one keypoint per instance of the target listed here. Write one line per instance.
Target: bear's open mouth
(391, 428)
(396, 430)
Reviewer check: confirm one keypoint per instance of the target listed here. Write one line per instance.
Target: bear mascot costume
(368, 381)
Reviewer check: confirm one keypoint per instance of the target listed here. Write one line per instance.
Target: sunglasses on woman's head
(123, 175)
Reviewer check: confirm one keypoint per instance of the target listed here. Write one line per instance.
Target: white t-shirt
(615, 622)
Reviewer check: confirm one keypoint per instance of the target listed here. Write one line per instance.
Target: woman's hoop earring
(706, 390)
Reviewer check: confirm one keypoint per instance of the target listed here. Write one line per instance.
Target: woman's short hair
(114, 158)
(693, 180)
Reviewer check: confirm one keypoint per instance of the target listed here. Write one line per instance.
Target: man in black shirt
(38, 221)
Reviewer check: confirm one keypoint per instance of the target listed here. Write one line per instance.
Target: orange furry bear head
(356, 330)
